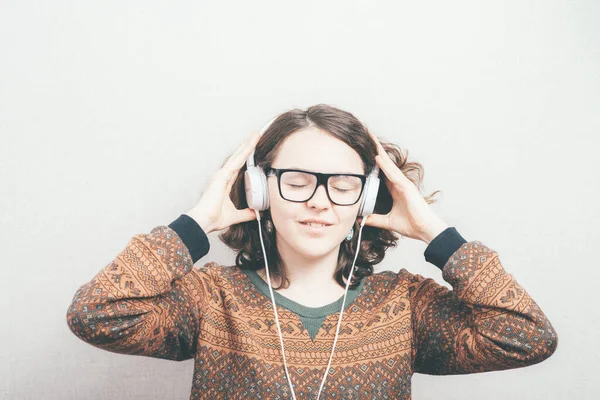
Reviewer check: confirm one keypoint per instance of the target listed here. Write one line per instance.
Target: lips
(315, 229)
(315, 224)
(316, 221)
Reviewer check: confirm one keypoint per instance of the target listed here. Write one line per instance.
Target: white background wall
(113, 115)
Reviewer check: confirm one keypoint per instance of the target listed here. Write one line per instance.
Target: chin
(310, 246)
(313, 249)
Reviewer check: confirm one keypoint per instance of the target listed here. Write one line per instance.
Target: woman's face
(311, 149)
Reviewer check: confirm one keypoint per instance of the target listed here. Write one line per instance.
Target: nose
(320, 198)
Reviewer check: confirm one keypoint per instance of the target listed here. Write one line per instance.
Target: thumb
(246, 215)
(378, 221)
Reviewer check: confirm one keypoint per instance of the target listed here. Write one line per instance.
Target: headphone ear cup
(367, 205)
(264, 189)
(257, 191)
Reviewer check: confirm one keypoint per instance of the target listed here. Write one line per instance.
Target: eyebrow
(341, 173)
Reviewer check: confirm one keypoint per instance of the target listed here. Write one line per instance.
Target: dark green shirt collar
(301, 310)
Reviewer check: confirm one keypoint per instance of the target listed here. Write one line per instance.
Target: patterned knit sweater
(151, 301)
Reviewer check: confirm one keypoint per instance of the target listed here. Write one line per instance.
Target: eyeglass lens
(299, 186)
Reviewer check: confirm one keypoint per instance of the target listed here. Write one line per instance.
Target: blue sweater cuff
(440, 249)
(192, 235)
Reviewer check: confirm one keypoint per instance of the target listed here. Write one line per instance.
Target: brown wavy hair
(244, 237)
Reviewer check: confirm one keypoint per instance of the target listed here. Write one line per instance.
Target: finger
(378, 221)
(235, 162)
(387, 169)
(242, 152)
(230, 182)
(242, 147)
(380, 149)
(384, 155)
(240, 158)
(390, 185)
(245, 142)
(391, 171)
(246, 215)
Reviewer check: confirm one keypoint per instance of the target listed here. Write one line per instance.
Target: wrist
(201, 220)
(432, 230)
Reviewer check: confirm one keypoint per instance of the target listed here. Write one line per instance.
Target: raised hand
(215, 210)
(410, 215)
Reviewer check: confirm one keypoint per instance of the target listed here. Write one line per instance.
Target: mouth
(314, 227)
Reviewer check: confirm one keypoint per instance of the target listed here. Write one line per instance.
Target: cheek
(284, 214)
(274, 197)
(348, 216)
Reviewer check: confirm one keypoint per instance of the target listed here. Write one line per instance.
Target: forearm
(433, 229)
(140, 298)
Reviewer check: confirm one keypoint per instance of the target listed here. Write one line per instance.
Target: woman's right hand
(215, 210)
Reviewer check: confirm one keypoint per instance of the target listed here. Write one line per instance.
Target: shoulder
(211, 269)
(383, 287)
(401, 277)
(219, 275)
(227, 286)
(400, 282)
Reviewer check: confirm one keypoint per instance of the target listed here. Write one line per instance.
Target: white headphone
(257, 197)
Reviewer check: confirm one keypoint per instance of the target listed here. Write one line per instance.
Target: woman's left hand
(410, 215)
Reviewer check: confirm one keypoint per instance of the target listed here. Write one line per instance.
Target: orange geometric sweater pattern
(151, 301)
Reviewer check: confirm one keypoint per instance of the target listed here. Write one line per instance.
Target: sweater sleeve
(487, 321)
(145, 301)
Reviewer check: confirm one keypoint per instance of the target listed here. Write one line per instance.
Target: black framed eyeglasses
(299, 186)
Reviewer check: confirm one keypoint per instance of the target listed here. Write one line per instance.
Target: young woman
(333, 328)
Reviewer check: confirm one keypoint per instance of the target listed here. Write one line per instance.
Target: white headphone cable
(273, 299)
(362, 224)
(343, 305)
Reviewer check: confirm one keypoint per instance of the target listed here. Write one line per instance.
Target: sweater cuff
(192, 235)
(440, 249)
